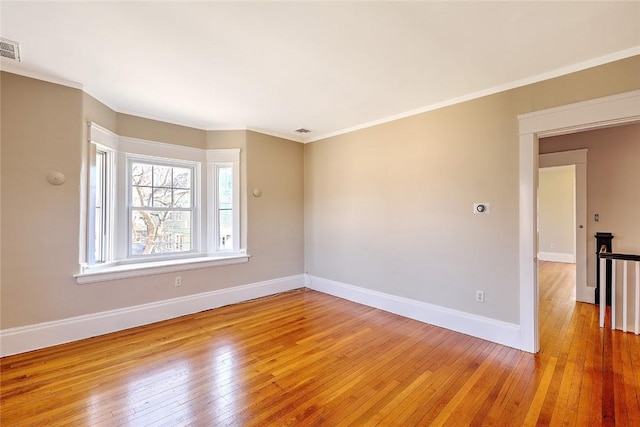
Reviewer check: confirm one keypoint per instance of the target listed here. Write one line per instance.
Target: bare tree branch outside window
(161, 208)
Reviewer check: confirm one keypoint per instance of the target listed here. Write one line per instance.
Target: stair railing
(626, 260)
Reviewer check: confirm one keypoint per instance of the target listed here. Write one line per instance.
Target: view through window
(161, 208)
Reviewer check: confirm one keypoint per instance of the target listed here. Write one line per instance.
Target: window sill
(127, 271)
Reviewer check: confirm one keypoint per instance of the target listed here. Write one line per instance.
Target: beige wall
(613, 176)
(154, 130)
(389, 208)
(276, 223)
(556, 214)
(43, 129)
(96, 112)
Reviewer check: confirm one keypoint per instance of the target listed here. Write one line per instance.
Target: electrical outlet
(479, 296)
(178, 281)
(553, 245)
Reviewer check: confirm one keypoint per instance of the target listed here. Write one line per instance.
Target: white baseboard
(478, 326)
(33, 337)
(557, 257)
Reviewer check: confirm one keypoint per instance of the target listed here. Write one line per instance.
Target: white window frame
(217, 159)
(119, 263)
(105, 182)
(194, 209)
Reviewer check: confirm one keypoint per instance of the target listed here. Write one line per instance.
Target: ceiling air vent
(303, 130)
(10, 49)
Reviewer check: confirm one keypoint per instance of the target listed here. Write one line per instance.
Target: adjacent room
(319, 213)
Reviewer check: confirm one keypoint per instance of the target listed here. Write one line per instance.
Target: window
(100, 213)
(225, 207)
(100, 201)
(161, 208)
(153, 205)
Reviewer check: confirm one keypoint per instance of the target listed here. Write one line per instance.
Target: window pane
(162, 176)
(140, 196)
(160, 232)
(160, 186)
(225, 205)
(181, 178)
(99, 214)
(162, 197)
(226, 229)
(225, 193)
(181, 198)
(156, 190)
(141, 174)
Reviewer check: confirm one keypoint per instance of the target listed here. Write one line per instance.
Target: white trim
(17, 69)
(545, 169)
(194, 209)
(225, 158)
(597, 113)
(563, 160)
(41, 335)
(127, 149)
(103, 136)
(478, 326)
(162, 150)
(224, 155)
(593, 114)
(150, 268)
(302, 139)
(529, 296)
(557, 257)
(616, 56)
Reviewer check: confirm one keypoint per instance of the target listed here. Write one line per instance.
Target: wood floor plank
(304, 358)
(462, 396)
(541, 391)
(446, 381)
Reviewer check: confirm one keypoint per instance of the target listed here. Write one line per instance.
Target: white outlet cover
(481, 208)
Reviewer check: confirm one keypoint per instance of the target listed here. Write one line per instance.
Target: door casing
(593, 114)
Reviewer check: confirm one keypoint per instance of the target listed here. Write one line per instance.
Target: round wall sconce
(257, 192)
(56, 178)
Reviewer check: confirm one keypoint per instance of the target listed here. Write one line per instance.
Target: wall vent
(9, 49)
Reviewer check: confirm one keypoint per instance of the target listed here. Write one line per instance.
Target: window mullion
(157, 226)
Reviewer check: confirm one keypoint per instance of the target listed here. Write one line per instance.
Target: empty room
(319, 213)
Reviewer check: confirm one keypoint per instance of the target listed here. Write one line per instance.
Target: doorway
(576, 161)
(593, 114)
(557, 214)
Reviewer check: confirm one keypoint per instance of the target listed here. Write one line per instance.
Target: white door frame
(594, 114)
(577, 158)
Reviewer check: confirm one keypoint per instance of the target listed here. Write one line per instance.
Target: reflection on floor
(305, 358)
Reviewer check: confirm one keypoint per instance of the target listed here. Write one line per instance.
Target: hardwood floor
(304, 358)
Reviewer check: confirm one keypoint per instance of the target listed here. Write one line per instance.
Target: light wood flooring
(307, 359)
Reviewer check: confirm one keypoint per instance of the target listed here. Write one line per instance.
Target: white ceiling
(325, 66)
